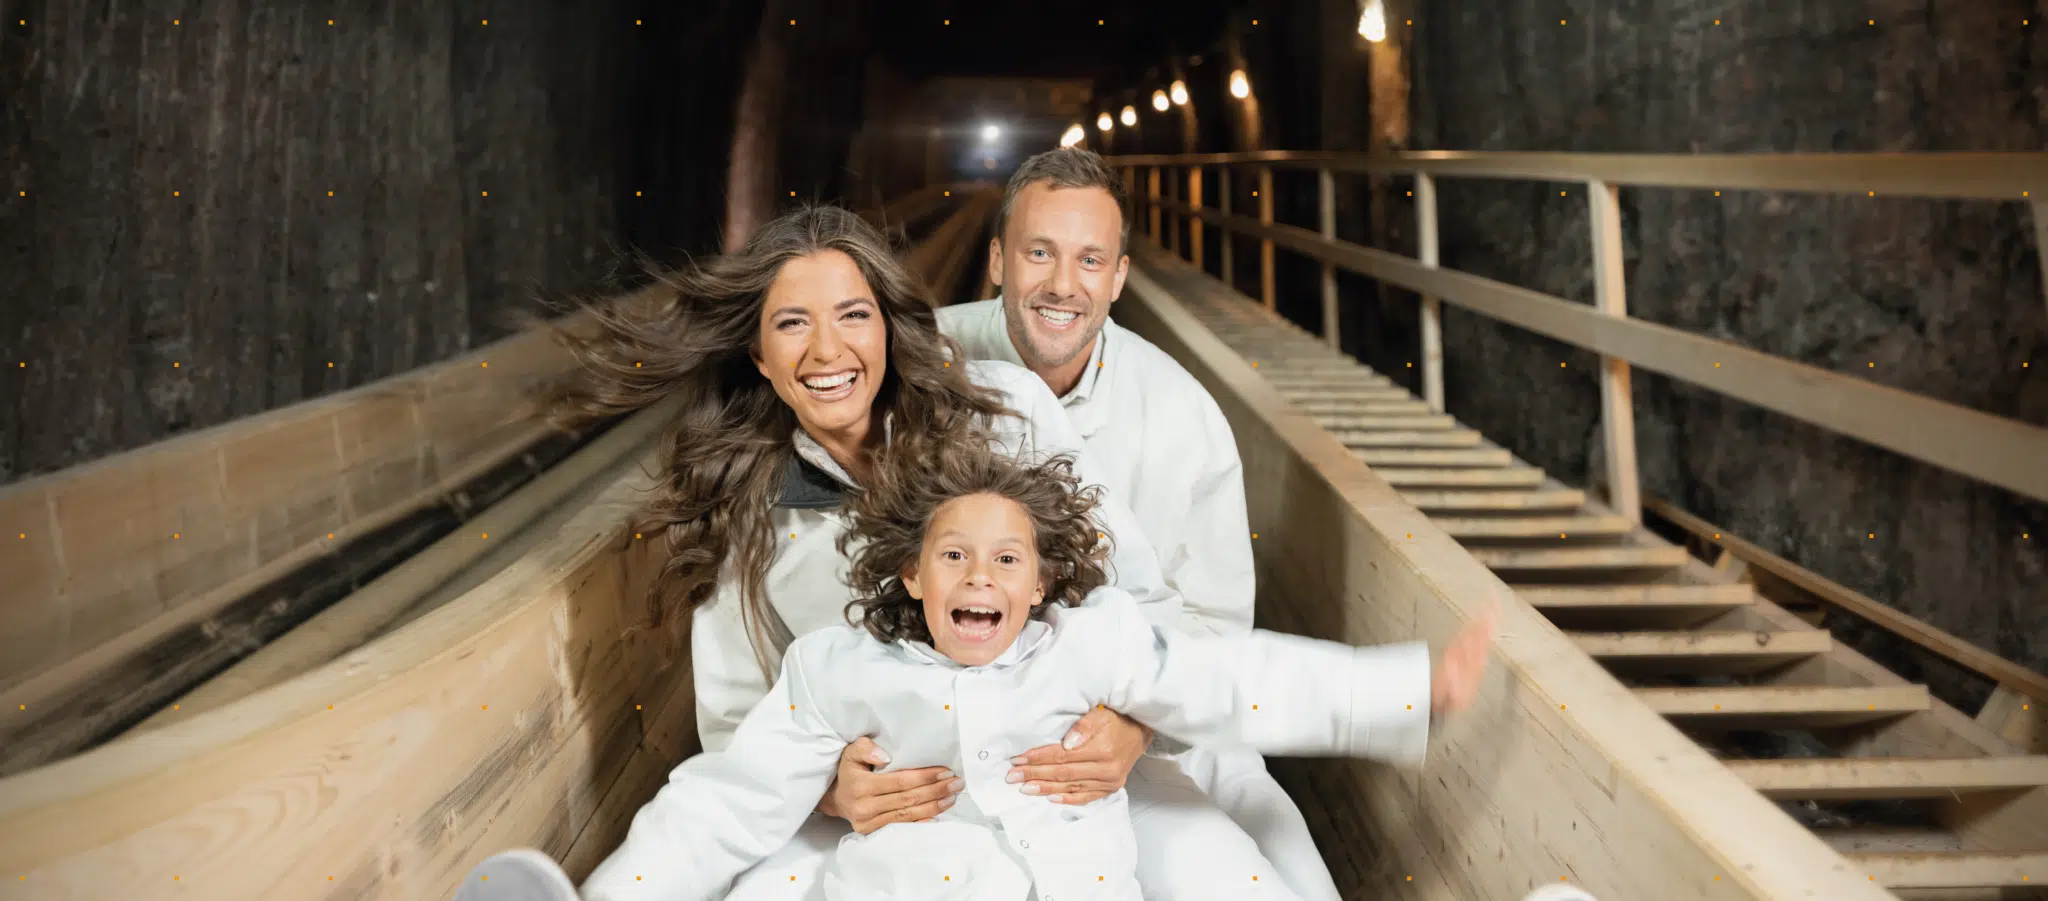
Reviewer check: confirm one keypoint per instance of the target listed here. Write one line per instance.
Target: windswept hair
(892, 516)
(695, 333)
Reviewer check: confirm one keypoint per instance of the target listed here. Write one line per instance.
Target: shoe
(1559, 893)
(522, 874)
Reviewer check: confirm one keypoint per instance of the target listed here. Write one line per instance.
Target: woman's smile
(825, 347)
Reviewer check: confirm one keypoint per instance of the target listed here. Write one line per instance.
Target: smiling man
(1060, 255)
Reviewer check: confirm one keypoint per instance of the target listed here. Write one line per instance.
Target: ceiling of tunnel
(1041, 38)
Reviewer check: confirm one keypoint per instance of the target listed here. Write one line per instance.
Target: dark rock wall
(170, 256)
(1944, 298)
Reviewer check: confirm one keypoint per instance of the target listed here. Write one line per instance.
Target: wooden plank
(1570, 597)
(1963, 653)
(1413, 439)
(1473, 528)
(1875, 778)
(1953, 869)
(1784, 706)
(1965, 175)
(1601, 787)
(1992, 449)
(1318, 402)
(1351, 425)
(1476, 457)
(1610, 297)
(1475, 501)
(1432, 338)
(1701, 650)
(1518, 477)
(1351, 394)
(1326, 193)
(1264, 192)
(1557, 558)
(2016, 718)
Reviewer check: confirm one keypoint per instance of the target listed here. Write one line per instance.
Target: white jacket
(1161, 446)
(806, 583)
(722, 812)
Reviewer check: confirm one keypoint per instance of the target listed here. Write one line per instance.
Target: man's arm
(1211, 566)
(1273, 693)
(724, 811)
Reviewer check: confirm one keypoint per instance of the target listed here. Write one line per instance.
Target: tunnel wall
(1945, 298)
(170, 257)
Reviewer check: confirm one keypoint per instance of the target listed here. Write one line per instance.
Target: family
(968, 589)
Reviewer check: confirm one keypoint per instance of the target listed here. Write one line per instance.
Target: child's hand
(1454, 681)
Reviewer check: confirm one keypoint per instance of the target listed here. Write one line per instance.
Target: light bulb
(990, 133)
(1103, 122)
(1240, 86)
(1073, 136)
(1372, 24)
(1159, 101)
(1130, 116)
(1180, 92)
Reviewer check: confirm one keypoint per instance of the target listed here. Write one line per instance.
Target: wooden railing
(2007, 453)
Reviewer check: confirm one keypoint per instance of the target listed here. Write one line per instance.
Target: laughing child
(985, 626)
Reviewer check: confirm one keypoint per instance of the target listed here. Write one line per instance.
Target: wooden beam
(1195, 224)
(1878, 778)
(1265, 194)
(1432, 309)
(1517, 477)
(1610, 297)
(1226, 238)
(1969, 176)
(1658, 817)
(1326, 192)
(1583, 558)
(1573, 597)
(1475, 457)
(1953, 869)
(1412, 438)
(1521, 527)
(1998, 451)
(1702, 650)
(1475, 501)
(1950, 647)
(1785, 707)
(1346, 425)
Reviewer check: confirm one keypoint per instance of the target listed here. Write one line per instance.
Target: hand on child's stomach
(871, 800)
(1105, 746)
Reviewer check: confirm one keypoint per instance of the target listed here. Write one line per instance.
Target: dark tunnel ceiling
(1042, 38)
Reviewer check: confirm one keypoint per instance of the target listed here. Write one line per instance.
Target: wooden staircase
(1695, 643)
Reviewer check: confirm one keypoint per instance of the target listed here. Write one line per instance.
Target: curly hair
(891, 516)
(695, 333)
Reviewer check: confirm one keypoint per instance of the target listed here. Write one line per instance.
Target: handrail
(2003, 452)
(1976, 176)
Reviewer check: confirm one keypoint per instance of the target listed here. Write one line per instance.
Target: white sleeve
(1269, 692)
(1212, 566)
(728, 679)
(722, 812)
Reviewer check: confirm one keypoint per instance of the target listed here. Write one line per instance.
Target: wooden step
(1560, 527)
(1473, 501)
(1555, 558)
(1344, 424)
(1785, 706)
(1888, 778)
(1702, 651)
(1348, 394)
(1317, 403)
(1953, 869)
(1518, 477)
(1411, 438)
(1353, 376)
(1474, 457)
(1620, 597)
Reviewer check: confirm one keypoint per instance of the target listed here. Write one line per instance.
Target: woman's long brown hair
(696, 333)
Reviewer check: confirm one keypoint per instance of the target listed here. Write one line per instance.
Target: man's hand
(1454, 681)
(871, 800)
(1091, 762)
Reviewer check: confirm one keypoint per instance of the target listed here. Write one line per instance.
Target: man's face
(1060, 264)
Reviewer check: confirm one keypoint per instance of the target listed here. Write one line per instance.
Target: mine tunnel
(1692, 344)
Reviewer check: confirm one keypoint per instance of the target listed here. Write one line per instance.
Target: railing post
(2040, 210)
(1173, 216)
(1432, 308)
(1610, 296)
(1152, 203)
(1265, 192)
(1195, 221)
(1226, 236)
(1327, 189)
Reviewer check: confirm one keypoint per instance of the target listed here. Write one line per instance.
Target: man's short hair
(1069, 167)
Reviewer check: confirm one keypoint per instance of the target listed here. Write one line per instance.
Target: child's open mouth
(976, 623)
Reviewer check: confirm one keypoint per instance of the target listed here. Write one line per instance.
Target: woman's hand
(1091, 762)
(1454, 681)
(871, 800)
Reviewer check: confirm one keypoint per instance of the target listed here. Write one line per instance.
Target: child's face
(977, 576)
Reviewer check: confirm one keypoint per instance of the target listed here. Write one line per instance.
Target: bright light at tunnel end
(1372, 24)
(989, 133)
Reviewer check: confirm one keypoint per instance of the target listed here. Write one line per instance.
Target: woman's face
(824, 345)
